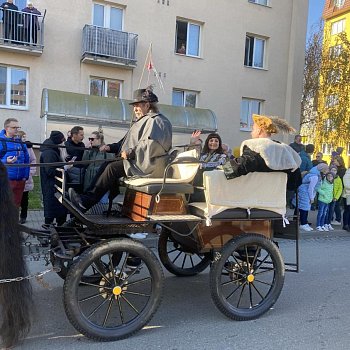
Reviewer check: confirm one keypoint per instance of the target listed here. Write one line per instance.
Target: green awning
(103, 111)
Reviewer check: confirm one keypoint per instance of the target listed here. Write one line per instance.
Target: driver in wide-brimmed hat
(144, 150)
(261, 154)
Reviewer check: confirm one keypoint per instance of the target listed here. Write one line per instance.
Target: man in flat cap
(144, 150)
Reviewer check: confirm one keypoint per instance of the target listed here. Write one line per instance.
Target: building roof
(331, 10)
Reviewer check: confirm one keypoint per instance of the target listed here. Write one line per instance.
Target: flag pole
(144, 66)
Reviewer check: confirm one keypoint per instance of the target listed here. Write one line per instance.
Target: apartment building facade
(233, 57)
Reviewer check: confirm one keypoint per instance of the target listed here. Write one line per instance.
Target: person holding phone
(12, 151)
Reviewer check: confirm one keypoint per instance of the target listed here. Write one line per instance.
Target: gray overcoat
(150, 139)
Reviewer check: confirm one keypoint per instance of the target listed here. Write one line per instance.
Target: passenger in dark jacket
(53, 209)
(75, 148)
(261, 154)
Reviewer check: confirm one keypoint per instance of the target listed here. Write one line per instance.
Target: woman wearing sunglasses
(96, 140)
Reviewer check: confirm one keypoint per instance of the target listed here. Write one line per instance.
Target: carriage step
(174, 218)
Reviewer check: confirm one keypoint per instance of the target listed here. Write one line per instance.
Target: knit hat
(322, 167)
(57, 137)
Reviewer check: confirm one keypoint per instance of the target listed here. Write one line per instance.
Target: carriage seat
(178, 182)
(256, 195)
(199, 209)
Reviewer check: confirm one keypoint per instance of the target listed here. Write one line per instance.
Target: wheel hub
(108, 288)
(250, 278)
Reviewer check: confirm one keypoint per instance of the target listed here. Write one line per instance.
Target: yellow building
(332, 126)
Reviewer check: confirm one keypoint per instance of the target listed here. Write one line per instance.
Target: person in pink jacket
(29, 185)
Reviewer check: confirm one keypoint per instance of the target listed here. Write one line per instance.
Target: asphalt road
(312, 312)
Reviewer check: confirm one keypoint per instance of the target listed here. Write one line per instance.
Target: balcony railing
(21, 31)
(112, 46)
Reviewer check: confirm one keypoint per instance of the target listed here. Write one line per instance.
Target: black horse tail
(15, 297)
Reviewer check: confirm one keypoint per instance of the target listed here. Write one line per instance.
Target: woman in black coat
(53, 209)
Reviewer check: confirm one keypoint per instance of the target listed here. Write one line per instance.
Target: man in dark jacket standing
(14, 153)
(31, 23)
(144, 150)
(53, 209)
(10, 19)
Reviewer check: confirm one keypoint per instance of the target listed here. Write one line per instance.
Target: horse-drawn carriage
(113, 282)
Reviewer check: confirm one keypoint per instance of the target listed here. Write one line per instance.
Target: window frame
(257, 2)
(331, 101)
(326, 148)
(339, 3)
(255, 37)
(185, 93)
(107, 15)
(336, 24)
(249, 119)
(105, 86)
(335, 51)
(177, 47)
(8, 93)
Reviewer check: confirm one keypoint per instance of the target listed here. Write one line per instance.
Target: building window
(333, 76)
(184, 98)
(105, 87)
(107, 16)
(254, 51)
(249, 107)
(187, 38)
(260, 2)
(335, 51)
(332, 100)
(13, 87)
(339, 3)
(327, 148)
(338, 27)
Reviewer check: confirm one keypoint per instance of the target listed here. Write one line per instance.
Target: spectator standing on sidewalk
(305, 155)
(29, 185)
(307, 193)
(53, 209)
(325, 196)
(14, 153)
(297, 145)
(337, 192)
(318, 159)
(338, 161)
(346, 200)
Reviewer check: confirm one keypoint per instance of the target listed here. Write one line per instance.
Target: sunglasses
(92, 138)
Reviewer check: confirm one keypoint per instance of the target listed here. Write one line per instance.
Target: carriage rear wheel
(125, 296)
(247, 279)
(177, 259)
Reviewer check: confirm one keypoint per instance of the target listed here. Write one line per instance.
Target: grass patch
(35, 195)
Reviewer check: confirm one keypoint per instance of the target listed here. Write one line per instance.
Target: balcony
(22, 32)
(109, 47)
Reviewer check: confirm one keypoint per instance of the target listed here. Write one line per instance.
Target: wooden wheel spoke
(136, 293)
(120, 309)
(176, 257)
(108, 311)
(92, 297)
(139, 281)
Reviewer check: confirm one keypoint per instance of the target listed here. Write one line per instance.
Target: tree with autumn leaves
(326, 93)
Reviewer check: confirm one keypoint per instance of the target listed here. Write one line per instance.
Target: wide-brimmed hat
(144, 95)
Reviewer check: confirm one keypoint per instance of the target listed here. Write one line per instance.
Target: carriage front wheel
(124, 297)
(246, 277)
